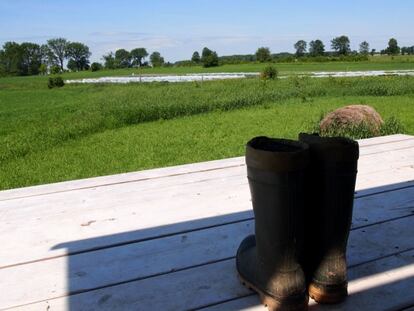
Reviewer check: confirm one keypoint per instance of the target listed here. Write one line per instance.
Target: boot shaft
(276, 174)
(330, 189)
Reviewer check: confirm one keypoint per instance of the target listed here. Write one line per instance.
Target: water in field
(235, 75)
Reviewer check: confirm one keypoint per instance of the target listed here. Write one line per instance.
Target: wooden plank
(383, 139)
(120, 178)
(145, 208)
(388, 143)
(390, 146)
(379, 280)
(381, 285)
(149, 258)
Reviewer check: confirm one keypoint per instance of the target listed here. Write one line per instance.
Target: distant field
(374, 63)
(88, 130)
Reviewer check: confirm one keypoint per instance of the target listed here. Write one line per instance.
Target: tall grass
(33, 118)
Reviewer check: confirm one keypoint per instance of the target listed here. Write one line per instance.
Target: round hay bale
(352, 116)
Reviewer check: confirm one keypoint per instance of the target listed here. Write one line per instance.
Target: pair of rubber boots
(302, 194)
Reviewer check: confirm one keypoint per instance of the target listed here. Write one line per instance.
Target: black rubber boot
(267, 262)
(330, 197)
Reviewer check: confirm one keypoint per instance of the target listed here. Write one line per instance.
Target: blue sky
(176, 28)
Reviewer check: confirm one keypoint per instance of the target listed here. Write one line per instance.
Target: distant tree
(393, 48)
(373, 51)
(31, 58)
(96, 66)
(58, 50)
(122, 58)
(209, 58)
(47, 55)
(79, 53)
(316, 48)
(138, 55)
(263, 54)
(341, 45)
(156, 59)
(300, 48)
(109, 61)
(43, 69)
(11, 58)
(407, 50)
(196, 58)
(55, 69)
(364, 48)
(72, 66)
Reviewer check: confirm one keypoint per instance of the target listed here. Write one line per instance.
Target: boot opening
(275, 145)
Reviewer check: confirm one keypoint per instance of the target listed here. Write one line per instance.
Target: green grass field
(80, 131)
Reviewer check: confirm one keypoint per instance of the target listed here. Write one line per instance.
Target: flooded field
(236, 75)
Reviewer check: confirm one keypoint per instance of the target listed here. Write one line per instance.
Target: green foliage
(55, 69)
(269, 73)
(43, 69)
(341, 45)
(300, 48)
(364, 48)
(209, 58)
(122, 59)
(156, 59)
(196, 57)
(96, 66)
(53, 82)
(79, 55)
(316, 48)
(58, 50)
(72, 65)
(109, 60)
(138, 55)
(390, 126)
(263, 54)
(393, 48)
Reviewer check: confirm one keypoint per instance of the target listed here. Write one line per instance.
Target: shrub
(96, 66)
(54, 69)
(55, 82)
(269, 73)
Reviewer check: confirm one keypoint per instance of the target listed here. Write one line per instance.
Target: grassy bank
(33, 119)
(187, 139)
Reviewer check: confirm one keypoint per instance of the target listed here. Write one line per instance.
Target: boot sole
(323, 295)
(273, 304)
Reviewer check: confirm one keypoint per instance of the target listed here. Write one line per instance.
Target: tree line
(30, 58)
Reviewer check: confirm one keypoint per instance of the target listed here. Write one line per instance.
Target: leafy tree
(364, 48)
(316, 48)
(393, 48)
(109, 61)
(209, 58)
(122, 58)
(55, 69)
(58, 50)
(263, 54)
(11, 58)
(341, 45)
(72, 66)
(156, 59)
(373, 51)
(300, 48)
(138, 55)
(96, 66)
(43, 69)
(79, 54)
(196, 58)
(31, 58)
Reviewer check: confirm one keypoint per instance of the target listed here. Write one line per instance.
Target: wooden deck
(165, 239)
